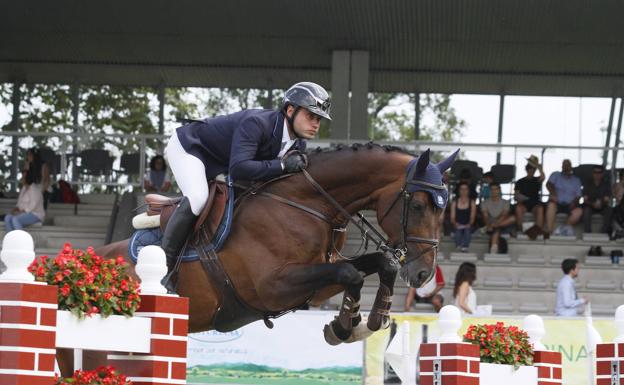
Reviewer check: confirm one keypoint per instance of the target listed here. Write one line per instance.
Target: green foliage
(392, 117)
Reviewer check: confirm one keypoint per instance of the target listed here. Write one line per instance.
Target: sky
(567, 121)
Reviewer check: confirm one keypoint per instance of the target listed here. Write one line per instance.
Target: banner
(294, 351)
(565, 335)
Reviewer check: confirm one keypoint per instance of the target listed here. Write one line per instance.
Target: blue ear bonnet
(425, 176)
(429, 181)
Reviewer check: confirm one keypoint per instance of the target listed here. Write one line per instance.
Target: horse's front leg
(386, 266)
(379, 316)
(302, 280)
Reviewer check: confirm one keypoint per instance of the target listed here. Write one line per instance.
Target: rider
(249, 145)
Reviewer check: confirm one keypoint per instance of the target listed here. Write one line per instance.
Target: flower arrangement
(104, 375)
(88, 283)
(500, 344)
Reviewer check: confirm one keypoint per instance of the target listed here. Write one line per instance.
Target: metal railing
(68, 143)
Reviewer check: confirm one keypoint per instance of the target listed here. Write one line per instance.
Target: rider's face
(306, 123)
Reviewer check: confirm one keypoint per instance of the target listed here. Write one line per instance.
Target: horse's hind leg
(304, 280)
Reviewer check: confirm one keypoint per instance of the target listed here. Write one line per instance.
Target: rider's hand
(294, 162)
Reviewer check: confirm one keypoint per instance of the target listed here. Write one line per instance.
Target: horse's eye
(417, 206)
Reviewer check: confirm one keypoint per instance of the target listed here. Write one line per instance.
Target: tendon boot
(178, 230)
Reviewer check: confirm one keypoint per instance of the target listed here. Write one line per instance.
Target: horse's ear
(423, 162)
(448, 162)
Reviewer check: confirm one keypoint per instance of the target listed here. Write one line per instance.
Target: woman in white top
(465, 297)
(29, 208)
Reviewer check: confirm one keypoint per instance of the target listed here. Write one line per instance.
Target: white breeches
(189, 172)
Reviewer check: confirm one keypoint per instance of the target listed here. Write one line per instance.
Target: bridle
(399, 252)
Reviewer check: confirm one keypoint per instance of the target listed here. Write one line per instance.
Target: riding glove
(294, 162)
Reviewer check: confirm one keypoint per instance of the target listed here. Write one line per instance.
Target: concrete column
(358, 125)
(341, 65)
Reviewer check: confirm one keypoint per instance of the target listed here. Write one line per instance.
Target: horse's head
(412, 219)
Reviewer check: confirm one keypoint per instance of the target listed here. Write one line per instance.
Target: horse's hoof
(359, 333)
(330, 336)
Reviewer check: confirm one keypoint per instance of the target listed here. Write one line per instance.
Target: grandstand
(524, 280)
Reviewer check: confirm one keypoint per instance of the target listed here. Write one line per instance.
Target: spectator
(527, 194)
(466, 177)
(488, 179)
(463, 216)
(618, 188)
(597, 199)
(157, 177)
(565, 191)
(567, 300)
(497, 217)
(29, 208)
(465, 297)
(428, 295)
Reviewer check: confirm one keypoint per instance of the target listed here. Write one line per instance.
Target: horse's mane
(335, 149)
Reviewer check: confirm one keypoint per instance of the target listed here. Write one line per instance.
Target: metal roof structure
(512, 47)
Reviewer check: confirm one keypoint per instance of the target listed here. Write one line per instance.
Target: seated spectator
(466, 177)
(597, 199)
(428, 295)
(157, 177)
(527, 194)
(463, 216)
(488, 179)
(565, 191)
(567, 300)
(29, 208)
(618, 188)
(465, 297)
(497, 217)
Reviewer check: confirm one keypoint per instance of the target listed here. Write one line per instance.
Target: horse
(283, 252)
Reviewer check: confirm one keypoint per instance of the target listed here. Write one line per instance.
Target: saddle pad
(153, 236)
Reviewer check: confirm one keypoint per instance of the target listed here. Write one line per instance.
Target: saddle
(210, 217)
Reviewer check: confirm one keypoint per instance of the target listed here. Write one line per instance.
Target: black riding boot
(178, 229)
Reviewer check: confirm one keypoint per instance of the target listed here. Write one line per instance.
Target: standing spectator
(463, 216)
(497, 217)
(597, 199)
(426, 295)
(618, 188)
(465, 297)
(488, 179)
(29, 208)
(157, 178)
(527, 193)
(567, 300)
(565, 191)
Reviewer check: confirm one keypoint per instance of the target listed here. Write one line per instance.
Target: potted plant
(506, 354)
(96, 299)
(104, 375)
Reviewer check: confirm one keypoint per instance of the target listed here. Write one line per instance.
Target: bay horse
(280, 257)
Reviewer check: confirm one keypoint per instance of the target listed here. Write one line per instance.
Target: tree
(392, 117)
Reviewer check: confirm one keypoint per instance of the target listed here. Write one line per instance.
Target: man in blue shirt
(567, 300)
(565, 190)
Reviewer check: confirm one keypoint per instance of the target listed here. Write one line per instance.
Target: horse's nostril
(423, 275)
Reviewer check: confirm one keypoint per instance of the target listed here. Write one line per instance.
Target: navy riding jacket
(244, 144)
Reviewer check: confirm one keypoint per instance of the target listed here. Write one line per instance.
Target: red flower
(88, 284)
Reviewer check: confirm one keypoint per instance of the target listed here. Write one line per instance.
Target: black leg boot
(179, 228)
